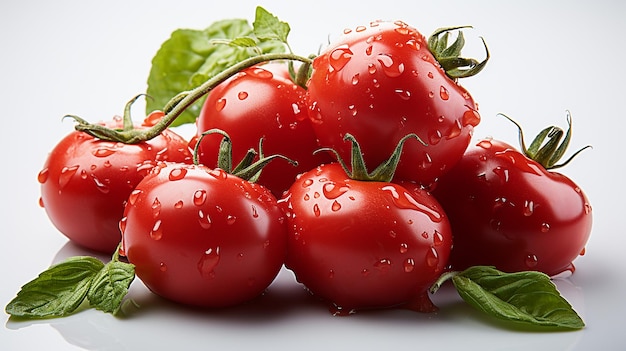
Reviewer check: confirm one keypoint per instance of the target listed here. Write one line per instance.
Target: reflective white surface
(88, 59)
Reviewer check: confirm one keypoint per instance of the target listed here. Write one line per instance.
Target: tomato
(379, 83)
(260, 102)
(364, 244)
(85, 182)
(203, 237)
(508, 211)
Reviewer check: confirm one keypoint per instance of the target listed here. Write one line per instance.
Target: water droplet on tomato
(414, 44)
(432, 257)
(122, 224)
(162, 267)
(66, 175)
(409, 265)
(255, 212)
(338, 311)
(425, 235)
(355, 79)
(101, 185)
(340, 57)
(331, 274)
(531, 261)
(208, 262)
(404, 247)
(430, 75)
(40, 202)
(545, 227)
(502, 173)
(403, 94)
(332, 190)
(471, 117)
(230, 219)
(485, 144)
(529, 208)
(43, 175)
(402, 30)
(220, 104)
(179, 204)
(437, 238)
(262, 73)
(455, 130)
(587, 208)
(316, 210)
(390, 66)
(434, 137)
(156, 232)
(583, 252)
(307, 183)
(242, 95)
(336, 206)
(204, 220)
(156, 207)
(443, 93)
(134, 195)
(83, 174)
(383, 265)
(360, 29)
(406, 201)
(427, 162)
(103, 152)
(177, 174)
(199, 197)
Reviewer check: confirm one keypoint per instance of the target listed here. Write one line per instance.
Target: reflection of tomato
(261, 103)
(508, 211)
(203, 237)
(364, 244)
(85, 182)
(380, 83)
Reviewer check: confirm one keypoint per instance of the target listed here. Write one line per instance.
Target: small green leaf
(269, 27)
(529, 298)
(110, 286)
(58, 291)
(191, 57)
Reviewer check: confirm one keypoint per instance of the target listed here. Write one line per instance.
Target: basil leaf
(110, 286)
(58, 291)
(269, 27)
(191, 57)
(529, 298)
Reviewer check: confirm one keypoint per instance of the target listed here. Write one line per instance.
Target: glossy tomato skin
(85, 182)
(506, 210)
(202, 237)
(260, 102)
(380, 83)
(361, 245)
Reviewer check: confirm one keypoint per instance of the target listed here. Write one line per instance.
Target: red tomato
(85, 182)
(203, 237)
(380, 83)
(364, 244)
(261, 103)
(508, 211)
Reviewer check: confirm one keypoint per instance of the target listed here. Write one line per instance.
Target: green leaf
(269, 27)
(56, 292)
(110, 286)
(190, 57)
(529, 298)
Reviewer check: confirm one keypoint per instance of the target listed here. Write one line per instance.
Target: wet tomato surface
(379, 83)
(364, 244)
(203, 237)
(85, 182)
(508, 211)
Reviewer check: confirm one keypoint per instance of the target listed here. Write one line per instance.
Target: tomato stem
(246, 169)
(449, 56)
(177, 105)
(383, 173)
(548, 152)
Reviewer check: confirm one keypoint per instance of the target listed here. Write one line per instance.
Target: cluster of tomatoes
(385, 182)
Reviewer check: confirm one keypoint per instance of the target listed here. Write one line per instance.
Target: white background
(88, 58)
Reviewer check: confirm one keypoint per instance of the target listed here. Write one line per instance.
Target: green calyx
(247, 168)
(547, 148)
(383, 173)
(449, 56)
